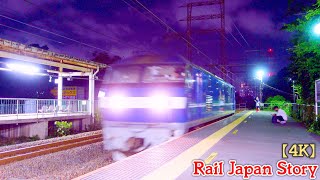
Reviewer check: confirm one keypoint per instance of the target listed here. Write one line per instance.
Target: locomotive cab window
(126, 74)
(164, 73)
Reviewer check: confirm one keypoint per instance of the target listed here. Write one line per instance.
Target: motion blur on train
(146, 100)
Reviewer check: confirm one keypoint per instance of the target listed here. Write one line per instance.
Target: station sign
(67, 91)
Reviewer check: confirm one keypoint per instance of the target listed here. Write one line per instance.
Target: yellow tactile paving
(179, 164)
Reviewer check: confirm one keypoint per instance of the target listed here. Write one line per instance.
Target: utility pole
(261, 91)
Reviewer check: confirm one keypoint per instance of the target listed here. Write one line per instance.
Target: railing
(39, 108)
(241, 106)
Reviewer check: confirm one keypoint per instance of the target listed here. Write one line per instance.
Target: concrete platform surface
(249, 138)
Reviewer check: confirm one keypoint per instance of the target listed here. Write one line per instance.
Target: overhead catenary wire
(9, 27)
(234, 37)
(116, 40)
(227, 39)
(56, 34)
(150, 19)
(183, 38)
(168, 27)
(53, 33)
(277, 89)
(241, 34)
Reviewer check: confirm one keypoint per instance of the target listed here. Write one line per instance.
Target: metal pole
(60, 89)
(17, 109)
(37, 107)
(91, 94)
(294, 97)
(316, 99)
(260, 91)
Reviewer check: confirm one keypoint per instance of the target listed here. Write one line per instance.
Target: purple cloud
(125, 31)
(256, 22)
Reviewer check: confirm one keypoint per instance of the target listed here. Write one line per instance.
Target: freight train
(149, 99)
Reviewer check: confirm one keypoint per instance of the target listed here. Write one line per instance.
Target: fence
(45, 107)
(241, 106)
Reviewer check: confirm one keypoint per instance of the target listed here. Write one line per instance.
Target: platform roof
(22, 52)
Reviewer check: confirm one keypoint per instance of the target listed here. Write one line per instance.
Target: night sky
(123, 28)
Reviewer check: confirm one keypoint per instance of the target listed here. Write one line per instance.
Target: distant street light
(293, 92)
(316, 29)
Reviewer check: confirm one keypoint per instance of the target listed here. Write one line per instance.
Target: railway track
(7, 157)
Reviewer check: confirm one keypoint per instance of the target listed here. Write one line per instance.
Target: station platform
(248, 137)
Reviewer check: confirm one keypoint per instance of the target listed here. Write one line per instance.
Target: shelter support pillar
(60, 88)
(91, 94)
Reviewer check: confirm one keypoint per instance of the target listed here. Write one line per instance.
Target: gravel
(45, 141)
(62, 165)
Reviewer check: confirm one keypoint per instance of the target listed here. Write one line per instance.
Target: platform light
(5, 69)
(316, 29)
(26, 69)
(260, 74)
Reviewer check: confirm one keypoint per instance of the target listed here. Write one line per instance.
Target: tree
(305, 54)
(296, 7)
(104, 58)
(282, 82)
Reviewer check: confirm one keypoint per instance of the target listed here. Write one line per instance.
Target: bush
(281, 102)
(63, 128)
(4, 141)
(96, 124)
(315, 127)
(34, 138)
(276, 101)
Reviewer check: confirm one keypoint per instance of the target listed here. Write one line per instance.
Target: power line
(150, 19)
(277, 89)
(41, 29)
(169, 27)
(227, 39)
(235, 38)
(241, 34)
(116, 40)
(49, 12)
(30, 33)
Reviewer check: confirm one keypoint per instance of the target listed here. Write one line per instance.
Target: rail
(17, 108)
(7, 157)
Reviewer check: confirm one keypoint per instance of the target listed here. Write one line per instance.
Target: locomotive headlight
(101, 94)
(117, 101)
(160, 102)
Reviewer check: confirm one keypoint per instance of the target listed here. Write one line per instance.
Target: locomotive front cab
(142, 105)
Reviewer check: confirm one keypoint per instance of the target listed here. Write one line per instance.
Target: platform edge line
(179, 164)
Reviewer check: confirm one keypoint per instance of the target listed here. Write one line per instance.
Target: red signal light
(270, 50)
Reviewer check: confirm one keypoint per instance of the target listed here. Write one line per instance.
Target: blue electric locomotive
(149, 99)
